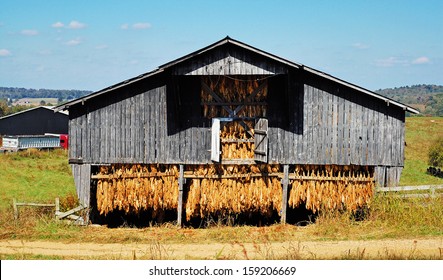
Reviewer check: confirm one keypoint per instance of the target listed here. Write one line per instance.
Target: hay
(334, 188)
(222, 190)
(235, 141)
(131, 195)
(233, 90)
(227, 196)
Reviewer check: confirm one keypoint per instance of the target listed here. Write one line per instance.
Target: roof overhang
(229, 40)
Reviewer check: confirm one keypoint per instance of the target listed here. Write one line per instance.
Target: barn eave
(228, 40)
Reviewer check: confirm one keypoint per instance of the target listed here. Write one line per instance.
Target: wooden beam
(189, 174)
(217, 98)
(35, 204)
(410, 188)
(62, 215)
(232, 176)
(249, 98)
(181, 180)
(234, 103)
(285, 183)
(130, 176)
(315, 178)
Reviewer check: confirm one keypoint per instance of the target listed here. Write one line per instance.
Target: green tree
(3, 108)
(436, 153)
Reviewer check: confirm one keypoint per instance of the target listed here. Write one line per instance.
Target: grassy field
(421, 132)
(35, 176)
(36, 101)
(41, 176)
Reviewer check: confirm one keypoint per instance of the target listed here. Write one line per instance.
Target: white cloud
(4, 52)
(141, 25)
(421, 60)
(45, 52)
(58, 24)
(73, 42)
(133, 62)
(138, 25)
(101, 47)
(390, 61)
(29, 32)
(76, 25)
(360, 46)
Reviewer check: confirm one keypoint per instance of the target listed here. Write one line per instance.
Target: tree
(436, 153)
(3, 108)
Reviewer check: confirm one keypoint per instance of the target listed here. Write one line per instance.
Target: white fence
(413, 191)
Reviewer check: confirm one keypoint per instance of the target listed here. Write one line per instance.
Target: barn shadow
(300, 216)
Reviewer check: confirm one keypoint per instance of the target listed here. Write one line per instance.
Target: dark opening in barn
(232, 132)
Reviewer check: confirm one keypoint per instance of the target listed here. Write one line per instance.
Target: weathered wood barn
(232, 129)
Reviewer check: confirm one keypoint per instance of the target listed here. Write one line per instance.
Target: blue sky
(94, 44)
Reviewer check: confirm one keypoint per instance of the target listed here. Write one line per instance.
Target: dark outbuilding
(35, 121)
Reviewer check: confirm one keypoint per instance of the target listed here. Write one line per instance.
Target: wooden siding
(325, 128)
(82, 180)
(230, 60)
(135, 130)
(337, 130)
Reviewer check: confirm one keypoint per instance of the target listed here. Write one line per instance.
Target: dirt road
(369, 249)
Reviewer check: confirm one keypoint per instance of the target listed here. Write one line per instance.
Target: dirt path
(373, 249)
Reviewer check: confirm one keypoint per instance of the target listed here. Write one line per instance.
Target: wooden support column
(181, 180)
(284, 202)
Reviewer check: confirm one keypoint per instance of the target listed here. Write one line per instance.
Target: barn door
(261, 140)
(215, 140)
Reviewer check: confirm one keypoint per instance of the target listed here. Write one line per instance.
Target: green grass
(421, 132)
(35, 176)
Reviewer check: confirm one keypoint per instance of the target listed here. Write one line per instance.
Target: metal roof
(229, 40)
(51, 108)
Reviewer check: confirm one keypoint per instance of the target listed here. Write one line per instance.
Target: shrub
(436, 153)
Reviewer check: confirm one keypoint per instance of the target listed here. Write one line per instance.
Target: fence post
(14, 205)
(180, 196)
(57, 207)
(285, 182)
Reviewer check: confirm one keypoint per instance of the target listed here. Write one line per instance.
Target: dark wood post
(181, 180)
(284, 202)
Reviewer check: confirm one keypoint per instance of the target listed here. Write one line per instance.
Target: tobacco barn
(231, 130)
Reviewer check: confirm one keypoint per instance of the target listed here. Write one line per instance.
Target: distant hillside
(14, 94)
(428, 99)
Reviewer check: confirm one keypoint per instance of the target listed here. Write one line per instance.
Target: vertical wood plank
(285, 183)
(335, 146)
(341, 131)
(180, 196)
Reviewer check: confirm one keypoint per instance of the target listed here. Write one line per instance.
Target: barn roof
(50, 108)
(242, 45)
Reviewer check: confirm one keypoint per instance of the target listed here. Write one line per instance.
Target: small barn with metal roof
(230, 130)
(35, 121)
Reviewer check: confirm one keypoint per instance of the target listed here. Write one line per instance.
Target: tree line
(428, 99)
(11, 93)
